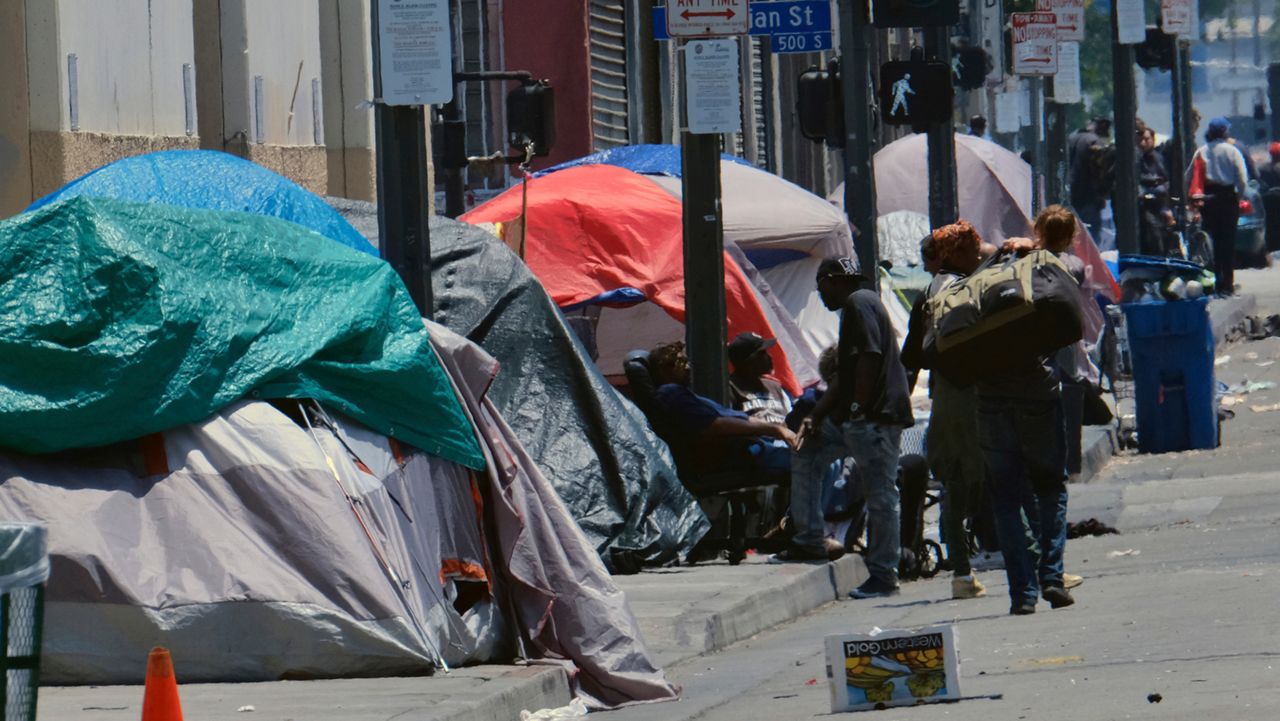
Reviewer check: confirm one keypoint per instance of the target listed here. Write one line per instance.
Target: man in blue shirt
(706, 437)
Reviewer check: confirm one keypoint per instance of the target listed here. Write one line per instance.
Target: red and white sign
(1035, 43)
(1175, 17)
(1070, 18)
(707, 18)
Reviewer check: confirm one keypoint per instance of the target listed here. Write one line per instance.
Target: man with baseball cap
(761, 398)
(861, 415)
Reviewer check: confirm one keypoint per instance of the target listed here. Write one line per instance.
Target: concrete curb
(531, 688)
(715, 612)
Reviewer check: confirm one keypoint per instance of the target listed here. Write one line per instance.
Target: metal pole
(1177, 159)
(705, 322)
(859, 173)
(1188, 138)
(1037, 144)
(943, 203)
(400, 141)
(1055, 148)
(1124, 199)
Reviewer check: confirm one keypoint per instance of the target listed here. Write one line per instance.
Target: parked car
(1251, 230)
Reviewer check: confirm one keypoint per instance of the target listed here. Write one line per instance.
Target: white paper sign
(713, 90)
(892, 668)
(1070, 18)
(1131, 22)
(416, 60)
(1035, 43)
(1066, 83)
(992, 18)
(1175, 17)
(1008, 114)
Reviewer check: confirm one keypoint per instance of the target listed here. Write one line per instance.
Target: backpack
(1010, 311)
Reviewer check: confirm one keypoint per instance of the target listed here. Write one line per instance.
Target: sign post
(1130, 27)
(859, 170)
(412, 68)
(712, 90)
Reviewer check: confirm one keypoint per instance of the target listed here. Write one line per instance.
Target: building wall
(15, 121)
(346, 54)
(549, 39)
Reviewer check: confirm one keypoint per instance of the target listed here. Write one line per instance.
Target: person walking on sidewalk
(1023, 437)
(1226, 178)
(951, 440)
(861, 415)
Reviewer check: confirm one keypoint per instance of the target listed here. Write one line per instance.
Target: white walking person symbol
(901, 90)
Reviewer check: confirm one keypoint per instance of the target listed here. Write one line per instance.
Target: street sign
(707, 18)
(1066, 83)
(416, 60)
(915, 92)
(792, 26)
(1070, 18)
(713, 88)
(992, 35)
(1175, 17)
(1131, 22)
(1035, 43)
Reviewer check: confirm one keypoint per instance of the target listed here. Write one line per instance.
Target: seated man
(764, 399)
(706, 437)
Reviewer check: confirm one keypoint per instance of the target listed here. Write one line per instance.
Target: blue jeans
(1023, 442)
(874, 447)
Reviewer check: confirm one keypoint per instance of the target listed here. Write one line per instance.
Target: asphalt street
(1181, 607)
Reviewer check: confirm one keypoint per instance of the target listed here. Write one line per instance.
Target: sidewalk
(683, 612)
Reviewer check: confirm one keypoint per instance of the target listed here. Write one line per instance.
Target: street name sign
(707, 18)
(1175, 17)
(1035, 43)
(416, 60)
(713, 88)
(792, 26)
(1070, 18)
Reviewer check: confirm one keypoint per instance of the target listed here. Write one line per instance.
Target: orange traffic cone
(160, 700)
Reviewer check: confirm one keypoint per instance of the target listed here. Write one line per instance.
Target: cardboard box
(893, 668)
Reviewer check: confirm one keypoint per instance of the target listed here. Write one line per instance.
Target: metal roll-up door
(607, 39)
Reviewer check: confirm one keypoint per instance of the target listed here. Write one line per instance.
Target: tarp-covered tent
(601, 235)
(210, 180)
(281, 539)
(615, 476)
(783, 230)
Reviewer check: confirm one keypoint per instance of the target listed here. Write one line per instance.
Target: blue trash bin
(1172, 349)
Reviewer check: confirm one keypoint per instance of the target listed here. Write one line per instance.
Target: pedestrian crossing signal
(915, 93)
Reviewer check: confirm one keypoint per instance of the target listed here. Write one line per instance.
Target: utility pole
(1124, 202)
(1181, 105)
(400, 141)
(859, 173)
(1055, 146)
(943, 203)
(1036, 91)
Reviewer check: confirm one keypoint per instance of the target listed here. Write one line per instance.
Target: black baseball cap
(843, 267)
(747, 345)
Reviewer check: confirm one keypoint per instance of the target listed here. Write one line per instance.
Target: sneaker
(967, 587)
(1071, 580)
(874, 588)
(1022, 609)
(1057, 596)
(800, 554)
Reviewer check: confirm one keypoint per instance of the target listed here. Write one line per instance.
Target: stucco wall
(15, 124)
(345, 52)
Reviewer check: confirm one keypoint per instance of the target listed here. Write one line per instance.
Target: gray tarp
(596, 448)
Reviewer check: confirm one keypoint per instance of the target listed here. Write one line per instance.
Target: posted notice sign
(707, 18)
(1175, 17)
(713, 88)
(416, 61)
(1070, 18)
(892, 668)
(1035, 43)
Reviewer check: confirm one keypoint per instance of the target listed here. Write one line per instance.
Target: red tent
(603, 234)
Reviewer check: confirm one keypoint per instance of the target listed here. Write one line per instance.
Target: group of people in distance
(1005, 435)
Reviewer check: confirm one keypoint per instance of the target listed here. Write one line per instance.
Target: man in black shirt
(861, 415)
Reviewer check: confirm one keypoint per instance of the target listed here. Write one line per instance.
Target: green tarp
(120, 319)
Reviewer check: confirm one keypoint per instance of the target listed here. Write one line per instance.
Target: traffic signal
(820, 105)
(916, 93)
(914, 13)
(1157, 51)
(971, 64)
(531, 116)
